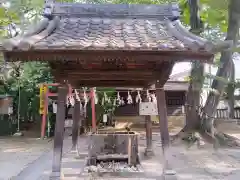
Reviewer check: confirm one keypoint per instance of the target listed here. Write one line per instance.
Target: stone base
(91, 161)
(18, 134)
(74, 149)
(148, 152)
(169, 172)
(76, 152)
(56, 176)
(107, 146)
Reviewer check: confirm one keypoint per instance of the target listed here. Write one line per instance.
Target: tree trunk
(205, 117)
(193, 96)
(224, 71)
(230, 92)
(197, 78)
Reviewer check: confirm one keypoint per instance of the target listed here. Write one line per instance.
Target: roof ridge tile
(170, 11)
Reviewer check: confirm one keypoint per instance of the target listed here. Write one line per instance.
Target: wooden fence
(224, 113)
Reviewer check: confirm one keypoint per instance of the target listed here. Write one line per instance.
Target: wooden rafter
(107, 83)
(86, 56)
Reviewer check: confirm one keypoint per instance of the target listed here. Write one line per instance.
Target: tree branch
(226, 59)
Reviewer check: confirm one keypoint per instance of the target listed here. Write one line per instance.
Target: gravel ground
(16, 153)
(193, 163)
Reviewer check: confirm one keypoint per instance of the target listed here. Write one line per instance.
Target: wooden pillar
(82, 123)
(59, 133)
(163, 120)
(75, 126)
(148, 124)
(94, 126)
(148, 127)
(162, 113)
(45, 111)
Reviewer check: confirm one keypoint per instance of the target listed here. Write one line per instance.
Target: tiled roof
(103, 33)
(110, 27)
(137, 11)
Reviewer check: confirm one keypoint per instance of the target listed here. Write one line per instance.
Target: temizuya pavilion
(109, 46)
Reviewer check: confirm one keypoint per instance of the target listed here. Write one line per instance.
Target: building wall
(174, 100)
(5, 104)
(129, 113)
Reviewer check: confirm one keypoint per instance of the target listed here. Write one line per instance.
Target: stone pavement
(193, 163)
(73, 166)
(40, 169)
(16, 153)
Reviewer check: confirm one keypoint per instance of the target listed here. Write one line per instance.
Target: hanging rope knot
(67, 101)
(104, 99)
(129, 98)
(95, 96)
(77, 95)
(118, 99)
(138, 97)
(85, 97)
(148, 96)
(71, 100)
(78, 99)
(114, 102)
(154, 98)
(122, 101)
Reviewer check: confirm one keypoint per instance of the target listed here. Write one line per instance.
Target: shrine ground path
(19, 161)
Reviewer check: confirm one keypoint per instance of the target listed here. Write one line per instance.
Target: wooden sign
(148, 108)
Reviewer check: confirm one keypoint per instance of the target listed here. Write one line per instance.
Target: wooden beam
(148, 128)
(89, 72)
(94, 124)
(103, 75)
(161, 101)
(44, 116)
(106, 78)
(91, 83)
(148, 122)
(162, 111)
(116, 78)
(59, 133)
(75, 126)
(86, 56)
(103, 83)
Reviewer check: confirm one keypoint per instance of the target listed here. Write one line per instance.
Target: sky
(185, 66)
(181, 67)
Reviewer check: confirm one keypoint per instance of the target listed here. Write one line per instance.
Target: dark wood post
(75, 126)
(148, 127)
(82, 123)
(94, 125)
(163, 121)
(148, 124)
(59, 133)
(162, 113)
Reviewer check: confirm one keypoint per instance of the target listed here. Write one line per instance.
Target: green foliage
(28, 75)
(103, 107)
(213, 13)
(32, 74)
